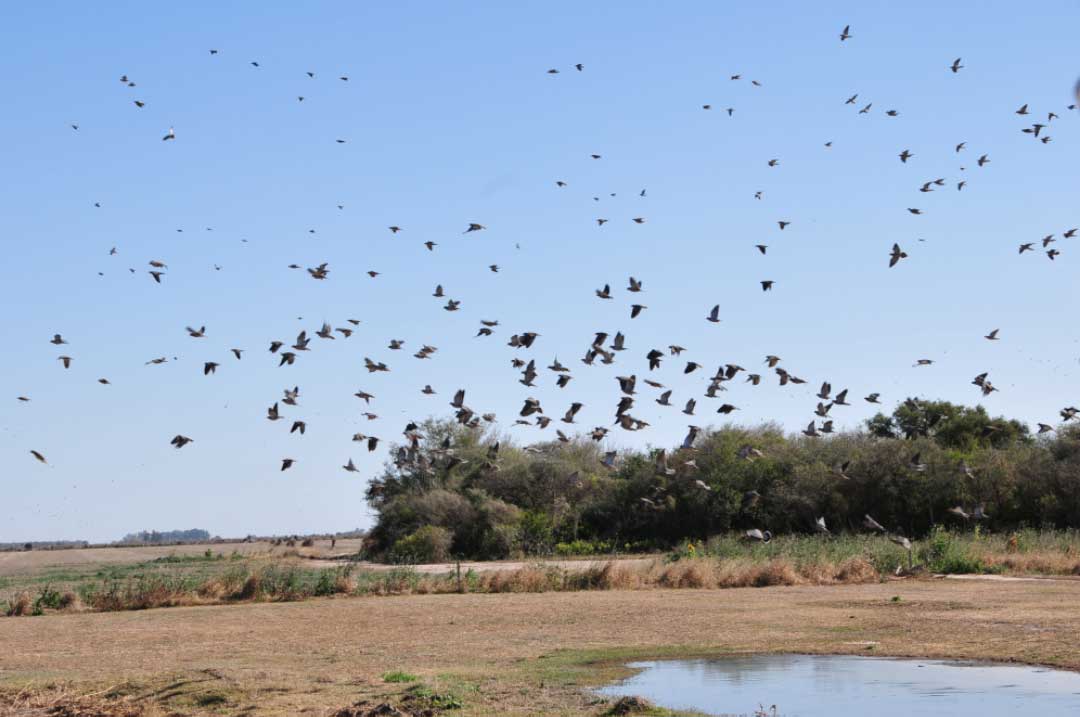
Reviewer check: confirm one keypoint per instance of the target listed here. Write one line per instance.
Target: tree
(949, 425)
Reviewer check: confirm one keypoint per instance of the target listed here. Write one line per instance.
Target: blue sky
(450, 117)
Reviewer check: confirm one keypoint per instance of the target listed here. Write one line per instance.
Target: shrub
(943, 553)
(49, 599)
(19, 605)
(429, 544)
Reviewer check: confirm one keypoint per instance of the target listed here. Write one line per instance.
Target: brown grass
(1035, 563)
(19, 605)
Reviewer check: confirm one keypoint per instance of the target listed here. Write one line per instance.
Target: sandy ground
(291, 657)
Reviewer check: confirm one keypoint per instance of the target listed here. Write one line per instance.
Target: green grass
(398, 677)
(435, 700)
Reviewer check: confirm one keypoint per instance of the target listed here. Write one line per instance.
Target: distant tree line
(906, 469)
(43, 545)
(156, 537)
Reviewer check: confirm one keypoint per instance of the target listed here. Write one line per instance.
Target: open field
(518, 654)
(31, 561)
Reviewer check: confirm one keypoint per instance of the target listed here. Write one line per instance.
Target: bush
(49, 599)
(19, 605)
(943, 553)
(583, 548)
(429, 544)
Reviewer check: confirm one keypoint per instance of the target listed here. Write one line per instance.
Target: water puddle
(843, 686)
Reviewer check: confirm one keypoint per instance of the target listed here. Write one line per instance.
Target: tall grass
(723, 561)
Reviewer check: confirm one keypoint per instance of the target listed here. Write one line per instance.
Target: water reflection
(838, 686)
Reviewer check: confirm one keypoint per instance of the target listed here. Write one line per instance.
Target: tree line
(472, 493)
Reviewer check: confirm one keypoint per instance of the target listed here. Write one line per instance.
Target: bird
(66, 360)
(757, 535)
(40, 458)
(171, 134)
(287, 463)
(896, 255)
(750, 454)
(351, 467)
(992, 336)
(819, 526)
(905, 156)
(179, 441)
(845, 34)
(767, 285)
(956, 66)
(872, 524)
(984, 159)
(873, 398)
(959, 510)
(714, 315)
(901, 541)
(1023, 110)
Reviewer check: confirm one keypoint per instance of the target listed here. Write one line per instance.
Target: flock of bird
(601, 348)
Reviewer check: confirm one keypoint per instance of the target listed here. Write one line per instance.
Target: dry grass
(515, 653)
(19, 605)
(722, 562)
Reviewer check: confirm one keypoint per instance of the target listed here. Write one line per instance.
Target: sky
(449, 116)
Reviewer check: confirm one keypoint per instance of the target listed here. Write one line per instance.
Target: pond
(843, 686)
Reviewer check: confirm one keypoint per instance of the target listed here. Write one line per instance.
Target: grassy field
(507, 654)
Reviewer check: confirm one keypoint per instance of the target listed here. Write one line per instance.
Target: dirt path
(490, 566)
